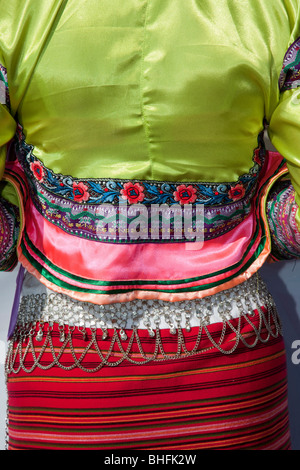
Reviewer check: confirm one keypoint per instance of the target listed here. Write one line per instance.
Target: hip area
(53, 330)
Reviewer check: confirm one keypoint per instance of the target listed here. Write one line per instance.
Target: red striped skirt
(208, 400)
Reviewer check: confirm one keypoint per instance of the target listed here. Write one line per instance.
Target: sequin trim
(9, 232)
(117, 191)
(290, 73)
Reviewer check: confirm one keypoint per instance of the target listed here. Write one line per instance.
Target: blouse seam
(144, 118)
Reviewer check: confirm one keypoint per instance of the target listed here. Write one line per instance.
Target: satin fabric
(150, 89)
(105, 273)
(147, 90)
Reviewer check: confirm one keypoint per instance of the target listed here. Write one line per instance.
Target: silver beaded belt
(58, 308)
(33, 341)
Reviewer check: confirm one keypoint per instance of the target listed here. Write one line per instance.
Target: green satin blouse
(172, 90)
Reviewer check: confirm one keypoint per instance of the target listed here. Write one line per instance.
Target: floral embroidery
(281, 212)
(116, 191)
(236, 192)
(83, 220)
(75, 204)
(106, 191)
(133, 192)
(37, 170)
(290, 73)
(9, 232)
(185, 194)
(80, 192)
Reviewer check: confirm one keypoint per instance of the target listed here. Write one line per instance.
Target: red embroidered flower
(133, 192)
(236, 192)
(37, 170)
(185, 194)
(80, 192)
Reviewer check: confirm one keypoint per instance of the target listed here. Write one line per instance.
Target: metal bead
(123, 335)
(104, 334)
(39, 335)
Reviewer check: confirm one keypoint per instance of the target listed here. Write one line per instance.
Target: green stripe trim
(65, 285)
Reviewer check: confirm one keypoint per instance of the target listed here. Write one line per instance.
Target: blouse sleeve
(25, 28)
(281, 213)
(9, 210)
(284, 125)
(284, 131)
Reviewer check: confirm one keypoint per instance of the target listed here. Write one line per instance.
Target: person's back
(127, 105)
(116, 100)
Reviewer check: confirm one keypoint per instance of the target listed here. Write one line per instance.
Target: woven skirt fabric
(210, 400)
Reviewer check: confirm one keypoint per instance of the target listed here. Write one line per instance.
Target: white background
(284, 283)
